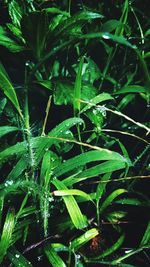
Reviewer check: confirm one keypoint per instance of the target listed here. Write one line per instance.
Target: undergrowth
(74, 156)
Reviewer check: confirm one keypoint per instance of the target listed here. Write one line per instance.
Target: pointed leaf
(53, 257)
(111, 198)
(6, 236)
(83, 239)
(8, 89)
(7, 129)
(73, 209)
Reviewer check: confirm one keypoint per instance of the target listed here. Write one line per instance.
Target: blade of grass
(78, 219)
(6, 236)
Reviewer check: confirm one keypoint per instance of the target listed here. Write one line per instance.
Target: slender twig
(46, 116)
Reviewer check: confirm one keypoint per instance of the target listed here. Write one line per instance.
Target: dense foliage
(74, 129)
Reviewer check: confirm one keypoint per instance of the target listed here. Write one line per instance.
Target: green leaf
(6, 236)
(55, 10)
(87, 157)
(110, 25)
(17, 259)
(77, 86)
(7, 129)
(53, 257)
(64, 91)
(19, 168)
(146, 237)
(63, 127)
(129, 201)
(72, 192)
(83, 239)
(131, 89)
(9, 43)
(102, 168)
(113, 248)
(111, 198)
(108, 36)
(75, 23)
(96, 100)
(8, 89)
(76, 216)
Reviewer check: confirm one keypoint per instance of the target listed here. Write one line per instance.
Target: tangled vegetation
(74, 129)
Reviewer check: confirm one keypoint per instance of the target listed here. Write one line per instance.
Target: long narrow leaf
(53, 257)
(83, 239)
(8, 89)
(8, 228)
(74, 211)
(111, 198)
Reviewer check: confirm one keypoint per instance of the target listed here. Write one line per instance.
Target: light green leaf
(7, 129)
(53, 257)
(9, 43)
(8, 89)
(111, 198)
(72, 192)
(90, 156)
(96, 100)
(76, 216)
(102, 168)
(6, 236)
(61, 129)
(83, 239)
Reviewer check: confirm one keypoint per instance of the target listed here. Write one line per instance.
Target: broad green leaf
(113, 248)
(131, 89)
(110, 25)
(6, 236)
(53, 257)
(111, 198)
(87, 157)
(96, 100)
(17, 259)
(76, 216)
(83, 239)
(72, 192)
(9, 43)
(102, 168)
(8, 89)
(146, 237)
(78, 86)
(75, 22)
(108, 36)
(7, 129)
